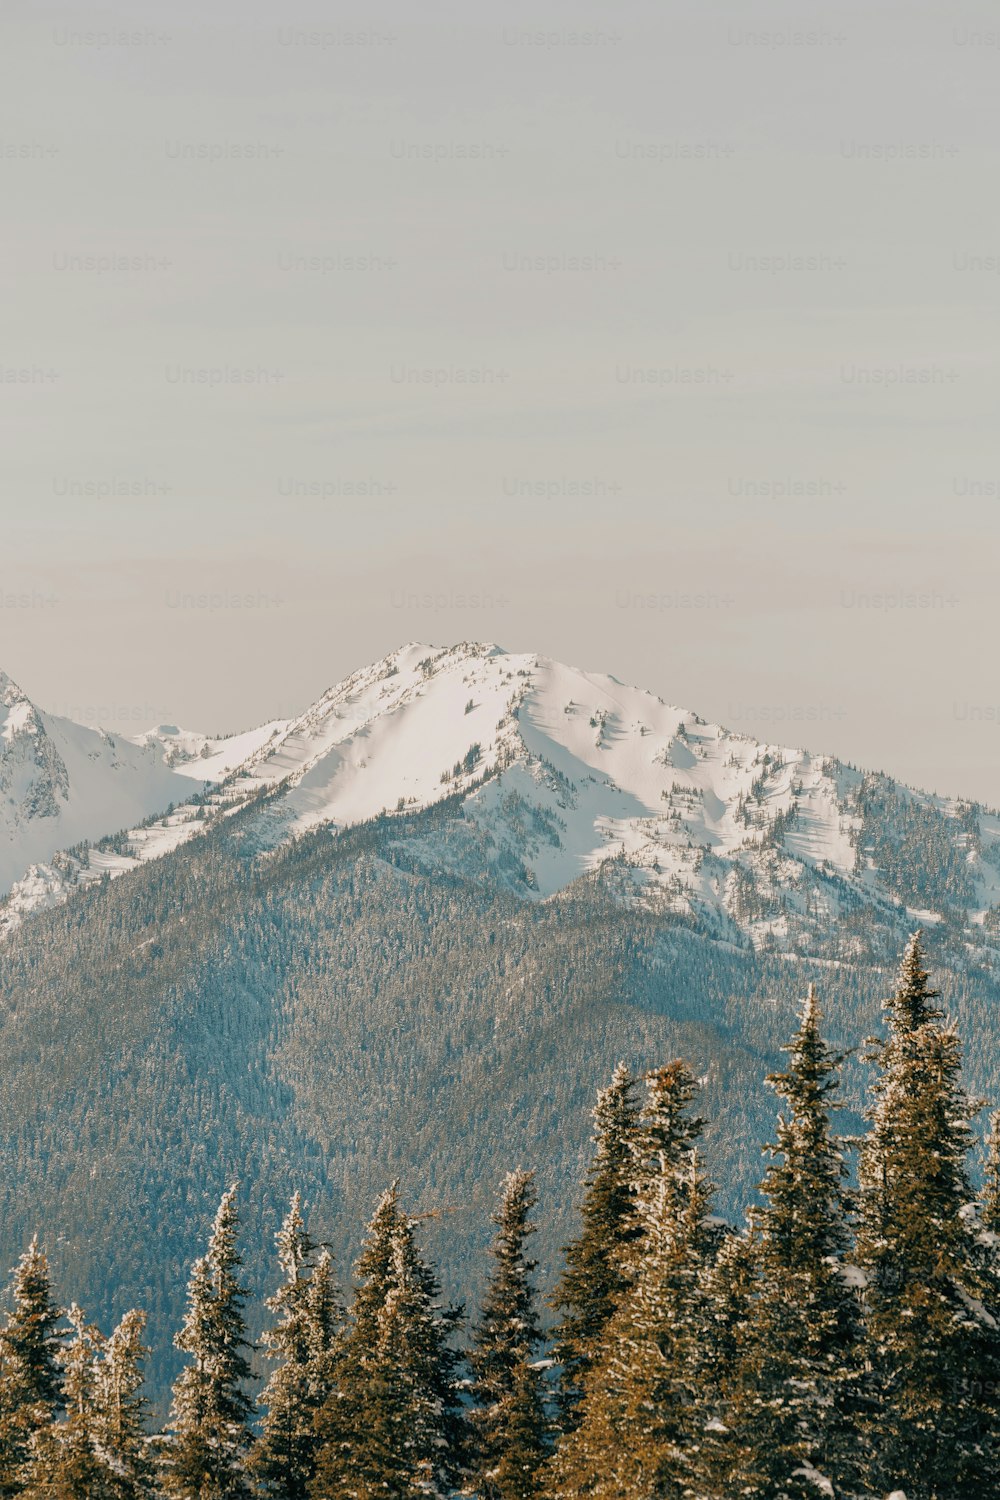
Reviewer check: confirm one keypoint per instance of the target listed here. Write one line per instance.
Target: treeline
(845, 1343)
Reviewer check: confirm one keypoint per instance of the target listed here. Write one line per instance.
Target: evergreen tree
(593, 1278)
(793, 1391)
(990, 1213)
(119, 1428)
(729, 1292)
(508, 1418)
(934, 1432)
(65, 1464)
(634, 1436)
(205, 1457)
(804, 1220)
(30, 1382)
(667, 1128)
(340, 1421)
(372, 1272)
(99, 1451)
(393, 1426)
(302, 1342)
(405, 1406)
(666, 1135)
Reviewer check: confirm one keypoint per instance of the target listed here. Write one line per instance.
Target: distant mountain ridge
(565, 775)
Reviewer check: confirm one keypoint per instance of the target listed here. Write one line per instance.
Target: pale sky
(658, 337)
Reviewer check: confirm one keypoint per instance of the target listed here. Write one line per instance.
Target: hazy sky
(659, 337)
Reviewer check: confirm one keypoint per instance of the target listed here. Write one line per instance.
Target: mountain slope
(565, 773)
(331, 1014)
(203, 757)
(61, 783)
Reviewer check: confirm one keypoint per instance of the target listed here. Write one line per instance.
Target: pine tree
(340, 1421)
(406, 1408)
(508, 1418)
(120, 1427)
(593, 1279)
(667, 1134)
(65, 1464)
(372, 1272)
(303, 1343)
(934, 1433)
(729, 1293)
(30, 1382)
(99, 1451)
(634, 1437)
(793, 1391)
(205, 1457)
(393, 1427)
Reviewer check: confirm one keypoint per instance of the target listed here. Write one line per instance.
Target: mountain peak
(10, 691)
(560, 774)
(18, 715)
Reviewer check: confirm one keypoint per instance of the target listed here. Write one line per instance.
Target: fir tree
(990, 1212)
(65, 1464)
(372, 1272)
(793, 1390)
(508, 1418)
(205, 1457)
(518, 1472)
(405, 1408)
(666, 1135)
(119, 1427)
(324, 1321)
(99, 1451)
(340, 1421)
(302, 1342)
(30, 1382)
(594, 1279)
(393, 1426)
(634, 1436)
(804, 1220)
(934, 1433)
(729, 1292)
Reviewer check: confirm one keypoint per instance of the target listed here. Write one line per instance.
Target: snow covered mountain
(556, 775)
(61, 783)
(346, 950)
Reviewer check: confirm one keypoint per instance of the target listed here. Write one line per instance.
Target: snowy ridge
(564, 775)
(62, 783)
(202, 757)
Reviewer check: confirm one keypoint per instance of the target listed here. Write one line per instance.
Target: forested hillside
(843, 1342)
(335, 1014)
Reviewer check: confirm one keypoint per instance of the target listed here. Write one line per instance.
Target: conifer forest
(843, 1341)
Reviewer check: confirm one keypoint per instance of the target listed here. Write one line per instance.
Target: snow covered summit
(607, 770)
(558, 774)
(562, 773)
